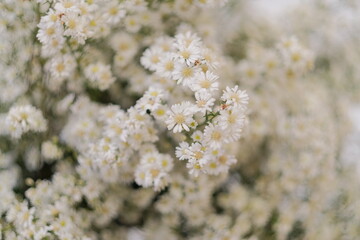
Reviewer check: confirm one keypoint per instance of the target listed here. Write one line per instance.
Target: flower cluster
(208, 123)
(177, 119)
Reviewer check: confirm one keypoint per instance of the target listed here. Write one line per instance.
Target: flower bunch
(208, 123)
(176, 119)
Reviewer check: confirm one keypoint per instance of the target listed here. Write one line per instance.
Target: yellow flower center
(124, 46)
(113, 11)
(155, 59)
(179, 118)
(205, 84)
(296, 57)
(50, 31)
(187, 72)
(216, 135)
(169, 66)
(60, 67)
(71, 24)
(198, 155)
(213, 165)
(160, 112)
(154, 172)
(106, 148)
(185, 54)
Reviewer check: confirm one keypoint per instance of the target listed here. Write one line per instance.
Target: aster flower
(204, 101)
(100, 75)
(206, 81)
(22, 119)
(214, 136)
(151, 58)
(182, 151)
(166, 66)
(235, 97)
(188, 53)
(180, 117)
(231, 119)
(184, 74)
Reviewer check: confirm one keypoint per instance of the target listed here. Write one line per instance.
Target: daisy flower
(180, 117)
(166, 65)
(204, 101)
(184, 74)
(194, 168)
(231, 119)
(188, 54)
(196, 151)
(197, 136)
(182, 151)
(214, 136)
(235, 97)
(206, 81)
(151, 58)
(187, 39)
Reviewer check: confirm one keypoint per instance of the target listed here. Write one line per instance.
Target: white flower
(235, 97)
(196, 152)
(197, 136)
(153, 170)
(210, 58)
(48, 32)
(132, 23)
(160, 112)
(204, 101)
(151, 100)
(249, 71)
(188, 53)
(104, 151)
(151, 58)
(161, 181)
(124, 44)
(66, 6)
(194, 168)
(115, 129)
(212, 166)
(205, 81)
(231, 118)
(166, 65)
(22, 119)
(182, 151)
(62, 66)
(50, 151)
(166, 44)
(180, 117)
(187, 39)
(184, 74)
(74, 24)
(100, 75)
(114, 12)
(214, 136)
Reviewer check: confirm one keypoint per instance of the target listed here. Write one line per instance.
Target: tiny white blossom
(235, 97)
(204, 101)
(180, 117)
(22, 119)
